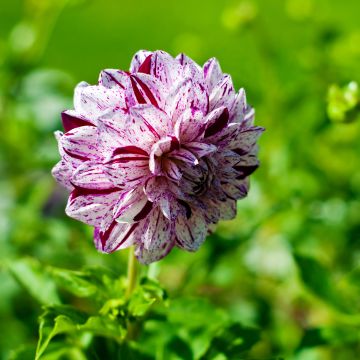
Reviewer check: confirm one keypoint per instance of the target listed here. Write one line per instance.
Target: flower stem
(132, 327)
(131, 273)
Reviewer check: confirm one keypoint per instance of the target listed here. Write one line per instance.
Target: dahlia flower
(156, 155)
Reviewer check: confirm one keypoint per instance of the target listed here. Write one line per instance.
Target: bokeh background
(289, 263)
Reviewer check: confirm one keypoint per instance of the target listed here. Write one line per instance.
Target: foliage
(280, 281)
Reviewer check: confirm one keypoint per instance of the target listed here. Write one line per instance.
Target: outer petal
(138, 60)
(148, 89)
(246, 166)
(246, 139)
(190, 69)
(216, 121)
(133, 206)
(115, 237)
(236, 189)
(226, 136)
(112, 129)
(127, 167)
(212, 73)
(90, 206)
(187, 95)
(157, 238)
(93, 101)
(227, 209)
(165, 68)
(62, 173)
(113, 78)
(91, 175)
(191, 231)
(238, 109)
(223, 94)
(71, 120)
(81, 143)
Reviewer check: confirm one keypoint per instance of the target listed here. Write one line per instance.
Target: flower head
(156, 155)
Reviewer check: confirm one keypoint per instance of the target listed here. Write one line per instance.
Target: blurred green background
(289, 263)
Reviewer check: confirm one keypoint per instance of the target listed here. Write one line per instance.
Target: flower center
(196, 179)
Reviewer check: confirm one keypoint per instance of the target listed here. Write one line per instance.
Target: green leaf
(335, 335)
(232, 341)
(77, 282)
(178, 349)
(343, 103)
(312, 337)
(145, 295)
(31, 275)
(106, 327)
(131, 351)
(54, 321)
(319, 280)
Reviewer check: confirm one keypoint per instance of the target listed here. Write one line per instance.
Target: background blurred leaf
(30, 274)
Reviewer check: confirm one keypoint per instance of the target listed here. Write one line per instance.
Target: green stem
(131, 273)
(132, 327)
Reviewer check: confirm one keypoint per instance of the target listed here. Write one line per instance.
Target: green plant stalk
(132, 272)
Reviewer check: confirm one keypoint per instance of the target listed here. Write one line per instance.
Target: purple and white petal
(184, 155)
(133, 206)
(138, 59)
(212, 73)
(93, 101)
(191, 230)
(90, 206)
(187, 95)
(190, 125)
(223, 94)
(116, 237)
(157, 238)
(71, 120)
(91, 175)
(200, 149)
(81, 143)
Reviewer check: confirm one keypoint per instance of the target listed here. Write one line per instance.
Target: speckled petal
(187, 95)
(138, 59)
(81, 143)
(93, 101)
(212, 73)
(191, 231)
(165, 68)
(246, 139)
(62, 173)
(90, 206)
(147, 124)
(133, 206)
(71, 120)
(116, 237)
(189, 126)
(91, 175)
(151, 89)
(157, 238)
(223, 94)
(113, 78)
(127, 167)
(200, 149)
